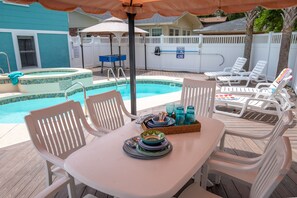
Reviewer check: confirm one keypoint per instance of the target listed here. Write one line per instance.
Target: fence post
(200, 51)
(270, 34)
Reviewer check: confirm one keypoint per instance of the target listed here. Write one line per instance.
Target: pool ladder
(120, 69)
(85, 94)
(7, 61)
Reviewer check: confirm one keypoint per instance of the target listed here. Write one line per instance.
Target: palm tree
(289, 16)
(250, 18)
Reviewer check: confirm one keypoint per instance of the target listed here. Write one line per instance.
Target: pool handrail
(120, 69)
(85, 94)
(116, 80)
(7, 60)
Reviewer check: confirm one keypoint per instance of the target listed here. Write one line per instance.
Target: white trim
(16, 4)
(16, 46)
(37, 31)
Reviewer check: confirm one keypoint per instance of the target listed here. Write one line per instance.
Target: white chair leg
(49, 173)
(197, 176)
(71, 187)
(204, 177)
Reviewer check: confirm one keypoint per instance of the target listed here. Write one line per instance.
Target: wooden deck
(22, 170)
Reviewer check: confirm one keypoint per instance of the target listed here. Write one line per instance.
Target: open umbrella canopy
(146, 8)
(112, 25)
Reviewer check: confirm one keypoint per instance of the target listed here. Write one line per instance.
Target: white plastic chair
(278, 130)
(200, 94)
(56, 132)
(269, 102)
(274, 167)
(228, 71)
(255, 75)
(57, 186)
(107, 111)
(260, 87)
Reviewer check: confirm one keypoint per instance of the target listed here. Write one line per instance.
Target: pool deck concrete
(24, 176)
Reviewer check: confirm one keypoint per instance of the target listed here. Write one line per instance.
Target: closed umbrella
(112, 26)
(140, 9)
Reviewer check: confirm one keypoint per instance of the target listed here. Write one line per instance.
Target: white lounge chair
(228, 71)
(264, 175)
(255, 75)
(107, 111)
(260, 87)
(272, 103)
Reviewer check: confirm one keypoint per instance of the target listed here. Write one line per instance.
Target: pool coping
(17, 96)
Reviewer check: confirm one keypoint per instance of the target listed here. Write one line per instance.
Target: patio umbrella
(140, 9)
(112, 26)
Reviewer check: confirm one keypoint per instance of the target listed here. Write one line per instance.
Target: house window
(176, 32)
(184, 33)
(173, 32)
(156, 32)
(189, 33)
(27, 51)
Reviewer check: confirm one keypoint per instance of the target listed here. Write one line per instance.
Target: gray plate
(132, 152)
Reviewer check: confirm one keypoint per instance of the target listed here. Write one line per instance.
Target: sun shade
(146, 8)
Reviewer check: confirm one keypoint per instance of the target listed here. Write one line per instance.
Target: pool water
(15, 112)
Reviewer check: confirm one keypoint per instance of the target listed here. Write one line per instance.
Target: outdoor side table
(111, 59)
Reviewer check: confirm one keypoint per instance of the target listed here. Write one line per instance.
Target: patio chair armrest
(217, 165)
(262, 85)
(228, 157)
(227, 69)
(247, 134)
(54, 188)
(132, 116)
(52, 158)
(242, 73)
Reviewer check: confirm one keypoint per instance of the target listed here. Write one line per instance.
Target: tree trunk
(248, 46)
(289, 16)
(248, 41)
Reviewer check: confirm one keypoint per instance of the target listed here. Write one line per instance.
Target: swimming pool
(15, 112)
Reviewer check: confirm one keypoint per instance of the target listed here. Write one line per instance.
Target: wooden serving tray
(176, 129)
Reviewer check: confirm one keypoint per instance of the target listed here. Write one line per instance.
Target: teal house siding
(48, 27)
(6, 46)
(53, 51)
(33, 17)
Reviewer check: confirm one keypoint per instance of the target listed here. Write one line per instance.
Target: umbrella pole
(132, 62)
(82, 51)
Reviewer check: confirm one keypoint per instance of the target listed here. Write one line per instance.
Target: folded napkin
(14, 77)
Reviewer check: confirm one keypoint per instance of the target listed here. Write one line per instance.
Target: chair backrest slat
(106, 110)
(257, 70)
(57, 129)
(200, 94)
(238, 65)
(276, 164)
(280, 127)
(285, 73)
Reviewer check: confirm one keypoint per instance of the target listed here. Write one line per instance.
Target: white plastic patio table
(103, 165)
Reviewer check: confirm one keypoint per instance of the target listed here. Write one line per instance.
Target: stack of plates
(150, 144)
(153, 123)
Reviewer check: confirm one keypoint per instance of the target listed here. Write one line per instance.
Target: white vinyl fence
(187, 53)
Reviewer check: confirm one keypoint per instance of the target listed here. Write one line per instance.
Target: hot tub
(46, 80)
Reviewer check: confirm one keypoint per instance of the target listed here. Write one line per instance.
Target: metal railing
(123, 73)
(85, 95)
(114, 76)
(7, 60)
